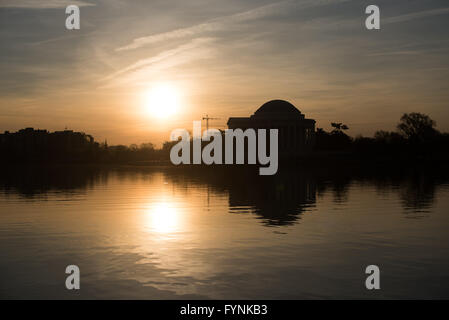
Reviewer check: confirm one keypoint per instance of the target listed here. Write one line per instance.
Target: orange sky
(223, 59)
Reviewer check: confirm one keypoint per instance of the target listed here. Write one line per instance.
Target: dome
(277, 106)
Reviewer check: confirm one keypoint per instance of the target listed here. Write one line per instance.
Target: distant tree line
(415, 135)
(41, 146)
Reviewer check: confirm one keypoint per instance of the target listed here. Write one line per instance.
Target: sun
(162, 100)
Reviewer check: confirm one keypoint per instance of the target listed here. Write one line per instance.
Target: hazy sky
(227, 57)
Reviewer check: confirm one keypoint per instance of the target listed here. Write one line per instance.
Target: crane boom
(207, 118)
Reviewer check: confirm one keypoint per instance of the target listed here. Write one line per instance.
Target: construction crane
(207, 118)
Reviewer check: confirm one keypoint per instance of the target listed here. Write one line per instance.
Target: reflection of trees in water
(416, 189)
(339, 186)
(417, 195)
(277, 200)
(340, 191)
(31, 181)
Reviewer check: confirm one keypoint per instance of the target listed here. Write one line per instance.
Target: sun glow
(162, 100)
(163, 218)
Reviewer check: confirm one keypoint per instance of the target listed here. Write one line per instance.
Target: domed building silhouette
(296, 133)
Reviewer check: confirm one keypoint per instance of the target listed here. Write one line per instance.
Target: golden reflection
(163, 218)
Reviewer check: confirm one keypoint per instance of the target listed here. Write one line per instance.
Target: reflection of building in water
(278, 200)
(296, 133)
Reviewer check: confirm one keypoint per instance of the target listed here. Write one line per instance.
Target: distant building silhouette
(296, 133)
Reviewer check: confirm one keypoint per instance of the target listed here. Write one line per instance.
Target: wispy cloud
(196, 49)
(222, 23)
(42, 4)
(209, 26)
(415, 15)
(395, 53)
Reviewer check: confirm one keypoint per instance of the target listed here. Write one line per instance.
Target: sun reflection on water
(163, 217)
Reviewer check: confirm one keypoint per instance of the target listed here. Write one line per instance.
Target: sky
(224, 58)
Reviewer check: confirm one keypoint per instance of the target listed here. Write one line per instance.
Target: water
(165, 233)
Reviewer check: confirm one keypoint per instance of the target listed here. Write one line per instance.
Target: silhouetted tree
(336, 139)
(147, 146)
(339, 127)
(417, 127)
(388, 137)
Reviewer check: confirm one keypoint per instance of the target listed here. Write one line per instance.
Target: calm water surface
(162, 233)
